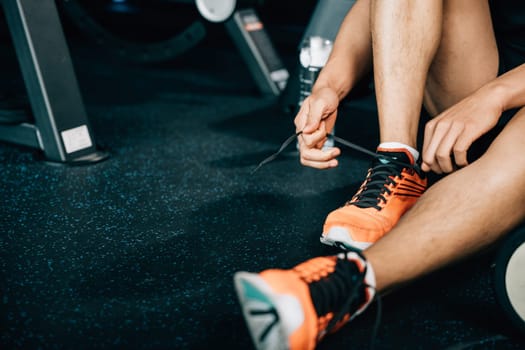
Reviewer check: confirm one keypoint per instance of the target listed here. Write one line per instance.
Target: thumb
(313, 118)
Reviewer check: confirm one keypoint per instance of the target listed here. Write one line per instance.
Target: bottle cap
(320, 49)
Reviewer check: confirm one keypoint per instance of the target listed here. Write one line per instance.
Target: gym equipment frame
(61, 128)
(249, 35)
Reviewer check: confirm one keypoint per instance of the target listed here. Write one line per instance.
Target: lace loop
(372, 192)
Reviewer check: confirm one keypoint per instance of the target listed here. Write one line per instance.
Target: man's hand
(451, 133)
(315, 119)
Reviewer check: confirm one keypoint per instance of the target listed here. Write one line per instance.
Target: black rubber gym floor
(139, 251)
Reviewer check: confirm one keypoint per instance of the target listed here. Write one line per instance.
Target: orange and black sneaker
(294, 309)
(393, 184)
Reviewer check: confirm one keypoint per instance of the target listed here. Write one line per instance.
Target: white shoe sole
(340, 235)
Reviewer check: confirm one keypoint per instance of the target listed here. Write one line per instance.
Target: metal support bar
(61, 124)
(24, 134)
(249, 35)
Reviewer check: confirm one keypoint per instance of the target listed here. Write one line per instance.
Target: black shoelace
(373, 190)
(337, 139)
(346, 287)
(377, 297)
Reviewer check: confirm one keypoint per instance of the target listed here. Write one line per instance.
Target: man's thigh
(508, 133)
(506, 150)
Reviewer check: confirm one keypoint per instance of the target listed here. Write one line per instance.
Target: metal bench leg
(61, 128)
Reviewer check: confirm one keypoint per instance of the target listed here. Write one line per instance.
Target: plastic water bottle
(313, 55)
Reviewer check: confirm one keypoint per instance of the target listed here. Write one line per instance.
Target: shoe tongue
(399, 155)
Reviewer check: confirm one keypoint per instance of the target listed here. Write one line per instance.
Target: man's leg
(466, 59)
(442, 50)
(405, 37)
(460, 215)
(438, 51)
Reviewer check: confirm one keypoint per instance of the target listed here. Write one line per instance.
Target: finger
(436, 169)
(315, 115)
(425, 167)
(433, 141)
(429, 132)
(323, 131)
(301, 117)
(315, 138)
(314, 159)
(444, 150)
(317, 155)
(318, 158)
(320, 165)
(460, 149)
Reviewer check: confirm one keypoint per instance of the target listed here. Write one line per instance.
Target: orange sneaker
(294, 309)
(392, 186)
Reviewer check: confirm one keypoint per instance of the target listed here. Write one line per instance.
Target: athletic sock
(394, 145)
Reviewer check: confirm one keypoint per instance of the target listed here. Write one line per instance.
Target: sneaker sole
(266, 312)
(339, 235)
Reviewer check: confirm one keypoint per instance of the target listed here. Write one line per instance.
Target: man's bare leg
(444, 227)
(433, 51)
(405, 37)
(411, 39)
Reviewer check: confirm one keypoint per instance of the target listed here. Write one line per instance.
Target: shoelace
(373, 190)
(337, 139)
(345, 288)
(341, 288)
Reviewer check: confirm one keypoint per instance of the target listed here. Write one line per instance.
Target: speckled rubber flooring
(139, 251)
